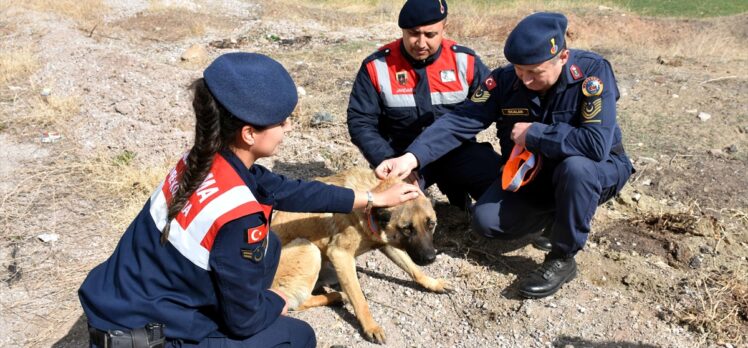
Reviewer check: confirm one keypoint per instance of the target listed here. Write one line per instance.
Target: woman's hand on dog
(398, 193)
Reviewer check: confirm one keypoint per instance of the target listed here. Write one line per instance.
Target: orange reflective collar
(520, 169)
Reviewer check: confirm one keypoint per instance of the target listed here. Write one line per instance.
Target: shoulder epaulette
(463, 49)
(378, 54)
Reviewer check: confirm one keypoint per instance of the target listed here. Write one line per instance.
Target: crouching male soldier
(558, 106)
(406, 85)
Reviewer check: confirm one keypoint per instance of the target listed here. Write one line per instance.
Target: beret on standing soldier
(416, 13)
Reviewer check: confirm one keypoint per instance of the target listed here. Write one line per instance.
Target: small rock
(703, 116)
(647, 160)
(732, 148)
(301, 91)
(196, 53)
(604, 8)
(692, 111)
(675, 96)
(46, 91)
(552, 305)
(636, 196)
(321, 118)
(630, 279)
(695, 262)
(669, 61)
(371, 264)
(48, 237)
(646, 182)
(705, 249)
(123, 108)
(581, 309)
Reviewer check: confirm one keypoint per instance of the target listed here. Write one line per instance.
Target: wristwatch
(369, 202)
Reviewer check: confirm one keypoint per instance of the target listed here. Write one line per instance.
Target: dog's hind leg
(401, 258)
(298, 269)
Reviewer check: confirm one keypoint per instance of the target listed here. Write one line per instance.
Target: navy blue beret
(253, 87)
(536, 39)
(416, 13)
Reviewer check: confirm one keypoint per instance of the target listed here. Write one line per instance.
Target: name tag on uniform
(448, 76)
(515, 112)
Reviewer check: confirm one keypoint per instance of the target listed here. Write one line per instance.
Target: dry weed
(16, 65)
(50, 111)
(718, 308)
(85, 12)
(165, 24)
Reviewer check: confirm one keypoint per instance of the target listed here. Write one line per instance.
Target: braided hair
(215, 129)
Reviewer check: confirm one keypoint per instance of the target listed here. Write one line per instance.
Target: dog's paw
(438, 285)
(445, 286)
(376, 334)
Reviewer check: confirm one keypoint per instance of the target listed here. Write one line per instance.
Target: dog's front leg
(345, 267)
(402, 260)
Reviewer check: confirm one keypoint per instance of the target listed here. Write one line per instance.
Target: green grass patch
(685, 8)
(125, 158)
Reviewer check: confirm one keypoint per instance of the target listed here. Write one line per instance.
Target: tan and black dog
(403, 233)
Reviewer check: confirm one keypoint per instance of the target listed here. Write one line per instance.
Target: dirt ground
(666, 264)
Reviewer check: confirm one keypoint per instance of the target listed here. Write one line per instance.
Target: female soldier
(195, 266)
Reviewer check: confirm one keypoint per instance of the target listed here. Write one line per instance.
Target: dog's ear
(382, 216)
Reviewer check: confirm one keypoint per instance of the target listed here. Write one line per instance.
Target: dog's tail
(298, 270)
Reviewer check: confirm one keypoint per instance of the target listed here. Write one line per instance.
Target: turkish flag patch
(490, 83)
(256, 234)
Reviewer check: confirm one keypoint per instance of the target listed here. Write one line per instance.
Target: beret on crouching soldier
(416, 13)
(536, 39)
(254, 88)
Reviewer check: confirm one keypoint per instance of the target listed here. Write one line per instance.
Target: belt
(150, 336)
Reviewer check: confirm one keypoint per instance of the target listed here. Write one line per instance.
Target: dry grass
(82, 11)
(88, 207)
(160, 23)
(717, 305)
(16, 65)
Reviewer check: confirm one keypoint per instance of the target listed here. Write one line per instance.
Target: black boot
(543, 241)
(548, 278)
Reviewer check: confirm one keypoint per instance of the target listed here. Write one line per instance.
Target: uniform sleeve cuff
(533, 136)
(275, 302)
(342, 200)
(420, 153)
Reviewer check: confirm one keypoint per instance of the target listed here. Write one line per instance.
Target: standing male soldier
(559, 105)
(406, 85)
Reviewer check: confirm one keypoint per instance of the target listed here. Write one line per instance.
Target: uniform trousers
(285, 332)
(563, 195)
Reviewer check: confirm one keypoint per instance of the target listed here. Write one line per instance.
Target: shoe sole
(536, 295)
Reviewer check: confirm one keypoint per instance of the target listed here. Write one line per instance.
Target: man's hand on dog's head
(399, 167)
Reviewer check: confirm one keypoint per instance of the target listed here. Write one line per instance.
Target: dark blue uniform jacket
(565, 121)
(144, 281)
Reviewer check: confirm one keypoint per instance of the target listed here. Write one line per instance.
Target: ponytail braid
(214, 130)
